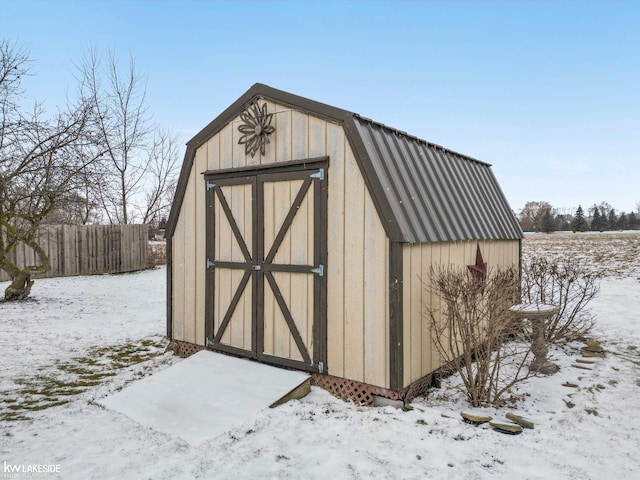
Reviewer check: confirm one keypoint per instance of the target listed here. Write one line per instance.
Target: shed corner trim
(396, 348)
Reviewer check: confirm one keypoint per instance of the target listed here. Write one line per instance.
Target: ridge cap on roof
(418, 139)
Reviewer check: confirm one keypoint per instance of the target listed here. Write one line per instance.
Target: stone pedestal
(537, 315)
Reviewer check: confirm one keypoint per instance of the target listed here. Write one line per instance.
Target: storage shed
(300, 235)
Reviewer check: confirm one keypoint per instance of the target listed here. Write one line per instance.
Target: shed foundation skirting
(351, 390)
(362, 393)
(186, 349)
(343, 388)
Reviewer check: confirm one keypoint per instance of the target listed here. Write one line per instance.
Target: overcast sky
(548, 92)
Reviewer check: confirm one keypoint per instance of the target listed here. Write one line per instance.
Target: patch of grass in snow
(74, 377)
(595, 388)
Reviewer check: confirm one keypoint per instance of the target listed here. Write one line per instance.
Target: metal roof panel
(436, 195)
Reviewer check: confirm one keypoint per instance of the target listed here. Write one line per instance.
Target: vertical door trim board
(396, 348)
(257, 249)
(209, 285)
(321, 226)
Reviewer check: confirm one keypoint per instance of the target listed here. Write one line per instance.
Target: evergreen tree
(612, 220)
(579, 223)
(632, 221)
(548, 222)
(562, 223)
(596, 220)
(623, 222)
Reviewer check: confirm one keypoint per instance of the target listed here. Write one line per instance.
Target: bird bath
(537, 315)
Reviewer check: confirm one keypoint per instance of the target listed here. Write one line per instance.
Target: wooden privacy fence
(87, 249)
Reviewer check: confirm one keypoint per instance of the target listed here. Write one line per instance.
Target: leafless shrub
(474, 333)
(568, 284)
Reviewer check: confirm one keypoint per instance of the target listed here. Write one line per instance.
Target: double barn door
(266, 258)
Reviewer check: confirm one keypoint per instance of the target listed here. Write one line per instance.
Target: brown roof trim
(380, 199)
(178, 196)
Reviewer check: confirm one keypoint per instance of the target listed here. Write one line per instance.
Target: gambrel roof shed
(280, 192)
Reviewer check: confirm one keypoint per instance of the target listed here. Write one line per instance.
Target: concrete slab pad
(204, 396)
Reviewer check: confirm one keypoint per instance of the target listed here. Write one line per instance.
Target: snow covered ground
(81, 339)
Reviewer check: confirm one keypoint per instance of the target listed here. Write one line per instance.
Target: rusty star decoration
(255, 129)
(479, 270)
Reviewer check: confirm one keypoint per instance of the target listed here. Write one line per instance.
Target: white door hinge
(319, 270)
(319, 174)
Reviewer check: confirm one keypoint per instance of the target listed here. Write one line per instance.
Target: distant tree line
(542, 217)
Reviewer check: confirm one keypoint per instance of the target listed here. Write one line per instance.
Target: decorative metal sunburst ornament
(255, 129)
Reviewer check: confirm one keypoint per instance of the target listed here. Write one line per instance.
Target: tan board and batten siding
(357, 310)
(420, 358)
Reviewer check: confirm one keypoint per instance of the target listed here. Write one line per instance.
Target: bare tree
(161, 176)
(95, 158)
(124, 127)
(38, 166)
(532, 215)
